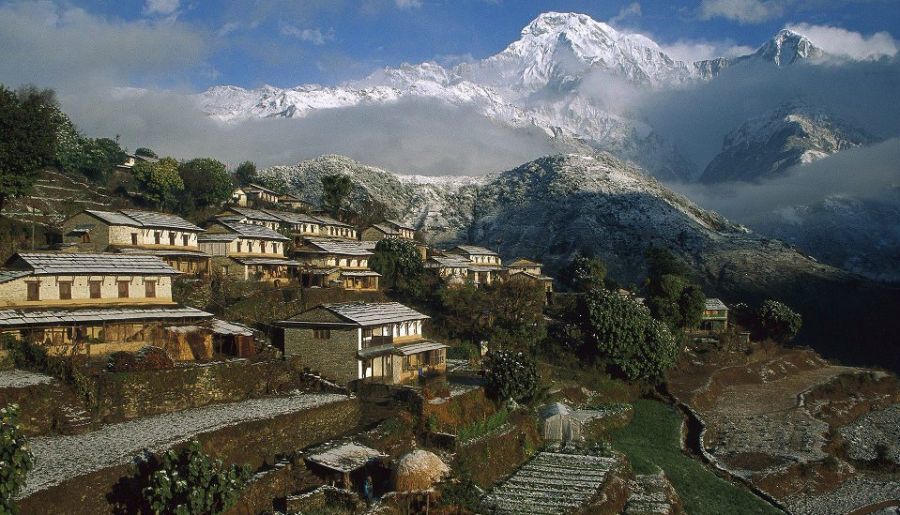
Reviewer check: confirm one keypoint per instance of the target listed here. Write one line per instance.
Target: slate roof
(252, 214)
(218, 236)
(267, 261)
(473, 250)
(523, 263)
(344, 248)
(17, 317)
(418, 347)
(360, 273)
(113, 217)
(399, 224)
(9, 275)
(260, 232)
(327, 220)
(715, 304)
(346, 457)
(161, 220)
(449, 262)
(386, 229)
(230, 328)
(78, 263)
(366, 314)
(293, 218)
(253, 186)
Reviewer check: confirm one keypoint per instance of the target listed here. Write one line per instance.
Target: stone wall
(499, 453)
(127, 395)
(334, 358)
(256, 443)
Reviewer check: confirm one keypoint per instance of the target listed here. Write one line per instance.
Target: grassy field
(652, 442)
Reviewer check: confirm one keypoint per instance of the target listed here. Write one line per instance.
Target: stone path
(15, 378)
(59, 458)
(551, 483)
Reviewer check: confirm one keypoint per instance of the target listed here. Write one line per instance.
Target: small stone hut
(560, 423)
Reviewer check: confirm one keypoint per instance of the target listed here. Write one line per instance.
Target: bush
(463, 493)
(15, 456)
(153, 358)
(778, 321)
(121, 361)
(189, 482)
(510, 375)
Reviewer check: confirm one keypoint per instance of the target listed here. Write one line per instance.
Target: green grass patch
(482, 427)
(652, 442)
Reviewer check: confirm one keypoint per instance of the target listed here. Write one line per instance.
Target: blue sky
(286, 43)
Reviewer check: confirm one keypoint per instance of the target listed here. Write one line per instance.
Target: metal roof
(473, 250)
(715, 304)
(253, 214)
(78, 263)
(418, 347)
(17, 317)
(345, 457)
(160, 220)
(253, 230)
(344, 248)
(371, 313)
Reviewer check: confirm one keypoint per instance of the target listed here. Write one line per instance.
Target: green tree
(585, 273)
(517, 313)
(400, 265)
(335, 192)
(662, 262)
(245, 173)
(16, 458)
(779, 321)
(160, 182)
(465, 312)
(145, 152)
(189, 482)
(623, 333)
(510, 375)
(27, 138)
(206, 182)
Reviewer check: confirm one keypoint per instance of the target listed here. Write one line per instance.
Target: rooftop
(523, 263)
(715, 304)
(345, 457)
(253, 230)
(160, 220)
(344, 248)
(293, 218)
(252, 214)
(253, 186)
(398, 224)
(472, 250)
(78, 263)
(364, 314)
(327, 220)
(18, 317)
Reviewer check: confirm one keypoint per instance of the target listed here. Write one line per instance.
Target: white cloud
(700, 50)
(742, 11)
(632, 9)
(314, 36)
(408, 4)
(69, 48)
(228, 28)
(161, 7)
(842, 42)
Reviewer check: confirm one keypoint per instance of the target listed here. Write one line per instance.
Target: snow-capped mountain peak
(788, 47)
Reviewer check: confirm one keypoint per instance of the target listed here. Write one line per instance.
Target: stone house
(452, 269)
(251, 216)
(301, 226)
(248, 251)
(239, 198)
(258, 195)
(526, 269)
(715, 316)
(378, 341)
(335, 229)
(344, 263)
(293, 202)
(482, 266)
(388, 229)
(169, 237)
(103, 302)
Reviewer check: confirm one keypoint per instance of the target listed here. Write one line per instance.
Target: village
(371, 372)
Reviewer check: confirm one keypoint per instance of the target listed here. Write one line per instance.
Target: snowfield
(60, 458)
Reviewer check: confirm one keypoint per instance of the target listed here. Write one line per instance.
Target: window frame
(98, 294)
(65, 290)
(33, 291)
(126, 293)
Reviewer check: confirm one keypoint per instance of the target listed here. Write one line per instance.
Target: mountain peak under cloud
(788, 47)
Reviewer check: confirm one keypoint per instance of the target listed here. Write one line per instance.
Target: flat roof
(345, 457)
(84, 263)
(18, 317)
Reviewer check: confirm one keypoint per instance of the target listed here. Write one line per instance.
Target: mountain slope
(766, 146)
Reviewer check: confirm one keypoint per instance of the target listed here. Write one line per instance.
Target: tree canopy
(27, 138)
(160, 181)
(245, 173)
(400, 265)
(510, 375)
(145, 152)
(584, 273)
(206, 182)
(335, 192)
(778, 321)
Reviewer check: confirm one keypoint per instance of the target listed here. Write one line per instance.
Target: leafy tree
(585, 273)
(16, 457)
(245, 173)
(624, 334)
(465, 312)
(510, 375)
(779, 321)
(206, 182)
(27, 138)
(335, 192)
(400, 266)
(95, 158)
(159, 181)
(691, 304)
(275, 183)
(517, 313)
(189, 482)
(662, 262)
(671, 296)
(145, 152)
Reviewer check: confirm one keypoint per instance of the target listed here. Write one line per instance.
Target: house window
(34, 290)
(172, 239)
(157, 237)
(123, 289)
(65, 290)
(95, 289)
(134, 238)
(184, 239)
(321, 334)
(240, 246)
(262, 247)
(249, 246)
(150, 289)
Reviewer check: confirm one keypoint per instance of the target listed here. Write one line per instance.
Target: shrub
(463, 493)
(510, 375)
(15, 456)
(778, 321)
(189, 482)
(121, 361)
(153, 358)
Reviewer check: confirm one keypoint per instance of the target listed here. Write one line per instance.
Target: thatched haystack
(419, 470)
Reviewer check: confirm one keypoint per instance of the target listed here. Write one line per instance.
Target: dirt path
(59, 458)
